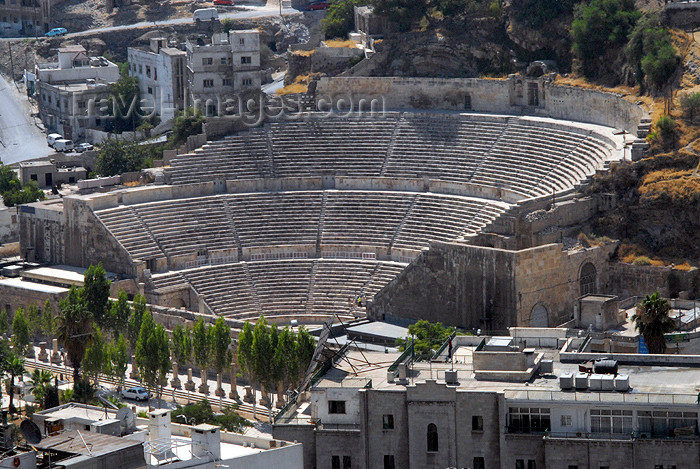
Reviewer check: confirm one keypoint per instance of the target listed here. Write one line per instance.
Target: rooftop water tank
(622, 383)
(605, 366)
(566, 380)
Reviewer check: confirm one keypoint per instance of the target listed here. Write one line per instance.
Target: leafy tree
(96, 358)
(121, 156)
(83, 392)
(428, 337)
(285, 361)
(666, 130)
(15, 367)
(651, 319)
(123, 106)
(41, 381)
(186, 123)
(29, 193)
(20, 333)
(263, 353)
(8, 179)
(119, 314)
(201, 344)
(305, 346)
(152, 353)
(690, 104)
(340, 18)
(651, 52)
(133, 328)
(221, 342)
(96, 293)
(182, 344)
(201, 412)
(4, 322)
(601, 26)
(34, 322)
(119, 359)
(245, 352)
(48, 322)
(75, 326)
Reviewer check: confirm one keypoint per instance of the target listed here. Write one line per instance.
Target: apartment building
(25, 17)
(161, 76)
(220, 71)
(69, 91)
(500, 404)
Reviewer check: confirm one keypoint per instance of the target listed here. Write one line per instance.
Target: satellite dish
(126, 417)
(30, 432)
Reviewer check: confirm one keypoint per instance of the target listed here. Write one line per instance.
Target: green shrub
(690, 104)
(201, 412)
(666, 130)
(601, 26)
(642, 260)
(651, 53)
(339, 20)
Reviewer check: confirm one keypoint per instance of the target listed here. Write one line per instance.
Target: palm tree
(41, 380)
(75, 327)
(651, 319)
(15, 367)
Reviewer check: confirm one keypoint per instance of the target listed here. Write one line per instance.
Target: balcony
(670, 435)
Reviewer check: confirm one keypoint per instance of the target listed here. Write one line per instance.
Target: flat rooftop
(73, 410)
(380, 329)
(359, 368)
(60, 274)
(31, 286)
(86, 443)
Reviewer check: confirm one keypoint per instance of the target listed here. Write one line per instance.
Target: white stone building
(161, 75)
(222, 69)
(69, 91)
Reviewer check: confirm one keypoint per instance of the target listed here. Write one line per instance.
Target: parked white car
(205, 14)
(84, 147)
(63, 145)
(51, 138)
(136, 393)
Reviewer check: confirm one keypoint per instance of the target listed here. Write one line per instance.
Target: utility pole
(12, 66)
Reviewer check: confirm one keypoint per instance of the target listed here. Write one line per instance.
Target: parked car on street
(317, 6)
(51, 139)
(84, 147)
(136, 393)
(56, 32)
(63, 145)
(227, 3)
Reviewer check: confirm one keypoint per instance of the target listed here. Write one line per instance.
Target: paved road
(250, 12)
(20, 139)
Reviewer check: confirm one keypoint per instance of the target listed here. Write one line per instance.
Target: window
(247, 82)
(148, 71)
(208, 83)
(227, 82)
(336, 407)
(519, 464)
(479, 462)
(347, 462)
(531, 464)
(223, 60)
(81, 104)
(477, 423)
(207, 60)
(611, 421)
(33, 177)
(662, 423)
(387, 421)
(150, 90)
(335, 462)
(566, 420)
(432, 438)
(528, 419)
(241, 41)
(573, 466)
(246, 60)
(155, 74)
(389, 461)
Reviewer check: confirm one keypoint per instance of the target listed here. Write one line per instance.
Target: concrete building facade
(220, 71)
(70, 91)
(160, 71)
(25, 17)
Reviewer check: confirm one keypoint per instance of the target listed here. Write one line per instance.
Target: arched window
(432, 437)
(588, 279)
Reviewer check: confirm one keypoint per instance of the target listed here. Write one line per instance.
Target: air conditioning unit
(566, 381)
(622, 383)
(581, 381)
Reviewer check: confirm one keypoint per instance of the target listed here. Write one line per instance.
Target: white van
(205, 14)
(51, 138)
(63, 145)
